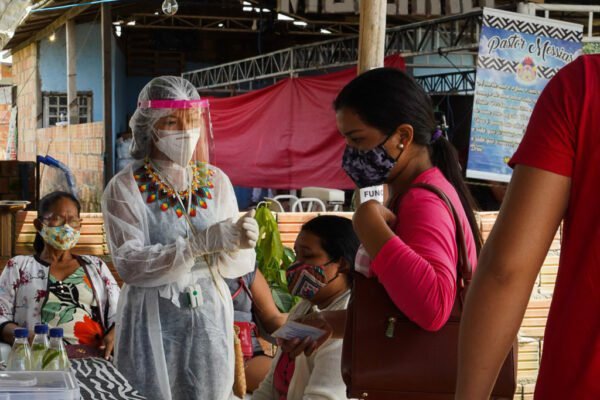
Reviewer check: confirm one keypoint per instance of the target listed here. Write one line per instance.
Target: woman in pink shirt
(391, 136)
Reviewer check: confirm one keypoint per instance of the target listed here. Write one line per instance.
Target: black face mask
(369, 167)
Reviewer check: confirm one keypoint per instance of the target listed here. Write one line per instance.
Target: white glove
(222, 236)
(248, 230)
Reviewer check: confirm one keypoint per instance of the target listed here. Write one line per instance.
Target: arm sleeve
(549, 142)
(137, 261)
(325, 382)
(237, 263)
(111, 288)
(8, 279)
(418, 266)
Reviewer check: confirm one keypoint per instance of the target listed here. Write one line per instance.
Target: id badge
(194, 296)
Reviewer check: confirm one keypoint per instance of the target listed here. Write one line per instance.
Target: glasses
(57, 220)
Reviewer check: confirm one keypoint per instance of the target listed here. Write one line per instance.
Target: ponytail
(445, 157)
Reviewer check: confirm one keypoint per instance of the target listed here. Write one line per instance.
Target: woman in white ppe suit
(173, 235)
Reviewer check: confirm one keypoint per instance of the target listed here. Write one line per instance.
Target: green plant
(591, 48)
(273, 258)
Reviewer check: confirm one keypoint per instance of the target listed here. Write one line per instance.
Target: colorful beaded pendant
(156, 190)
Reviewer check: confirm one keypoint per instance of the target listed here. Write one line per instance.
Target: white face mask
(179, 146)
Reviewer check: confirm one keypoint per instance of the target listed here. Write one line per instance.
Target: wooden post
(7, 230)
(72, 102)
(106, 21)
(371, 40)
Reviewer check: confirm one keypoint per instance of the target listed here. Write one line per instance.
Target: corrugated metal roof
(32, 22)
(11, 14)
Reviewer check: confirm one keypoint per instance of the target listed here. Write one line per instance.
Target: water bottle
(39, 346)
(55, 358)
(19, 358)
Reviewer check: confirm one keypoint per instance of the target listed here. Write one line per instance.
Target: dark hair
(44, 207)
(336, 235)
(386, 98)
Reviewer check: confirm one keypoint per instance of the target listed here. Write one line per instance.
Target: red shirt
(563, 137)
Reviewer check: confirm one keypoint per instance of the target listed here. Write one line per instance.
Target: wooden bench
(93, 242)
(290, 223)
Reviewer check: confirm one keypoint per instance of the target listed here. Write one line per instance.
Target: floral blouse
(72, 305)
(29, 295)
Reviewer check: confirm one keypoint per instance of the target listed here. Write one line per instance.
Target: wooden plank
(283, 218)
(95, 250)
(530, 322)
(88, 218)
(83, 239)
(289, 228)
(536, 313)
(6, 237)
(539, 304)
(535, 332)
(29, 229)
(289, 237)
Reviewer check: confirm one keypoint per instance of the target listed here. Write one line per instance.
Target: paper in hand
(296, 330)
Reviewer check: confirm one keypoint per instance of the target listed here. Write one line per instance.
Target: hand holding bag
(388, 357)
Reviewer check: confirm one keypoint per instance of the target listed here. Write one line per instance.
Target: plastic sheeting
(284, 136)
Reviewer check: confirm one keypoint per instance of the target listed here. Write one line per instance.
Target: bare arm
(264, 305)
(534, 205)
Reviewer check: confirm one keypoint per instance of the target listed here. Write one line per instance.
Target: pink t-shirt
(418, 267)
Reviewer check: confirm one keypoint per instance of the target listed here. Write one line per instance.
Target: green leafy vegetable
(273, 258)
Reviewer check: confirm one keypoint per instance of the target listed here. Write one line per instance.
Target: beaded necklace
(152, 185)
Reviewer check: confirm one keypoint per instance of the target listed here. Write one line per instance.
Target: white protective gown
(166, 349)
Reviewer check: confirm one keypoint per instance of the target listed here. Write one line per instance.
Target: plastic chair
(290, 198)
(274, 205)
(310, 203)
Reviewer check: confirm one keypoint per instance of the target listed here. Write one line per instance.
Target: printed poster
(518, 55)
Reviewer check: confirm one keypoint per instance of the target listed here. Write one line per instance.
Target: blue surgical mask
(369, 167)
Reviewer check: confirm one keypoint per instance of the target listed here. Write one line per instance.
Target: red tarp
(284, 136)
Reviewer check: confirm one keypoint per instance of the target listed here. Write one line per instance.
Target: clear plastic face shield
(182, 132)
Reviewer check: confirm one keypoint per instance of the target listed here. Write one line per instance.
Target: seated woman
(325, 250)
(57, 287)
(252, 303)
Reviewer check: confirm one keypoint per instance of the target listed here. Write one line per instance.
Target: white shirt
(318, 376)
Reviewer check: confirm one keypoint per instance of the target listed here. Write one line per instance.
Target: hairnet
(143, 120)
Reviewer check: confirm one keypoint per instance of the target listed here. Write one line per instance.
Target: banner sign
(518, 54)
